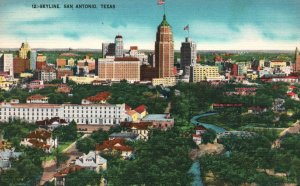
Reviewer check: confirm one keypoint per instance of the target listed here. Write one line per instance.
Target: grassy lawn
(61, 147)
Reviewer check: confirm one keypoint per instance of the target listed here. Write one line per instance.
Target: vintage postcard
(149, 92)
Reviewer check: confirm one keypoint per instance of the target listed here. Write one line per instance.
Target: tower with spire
(164, 50)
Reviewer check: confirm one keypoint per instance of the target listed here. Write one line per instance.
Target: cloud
(212, 36)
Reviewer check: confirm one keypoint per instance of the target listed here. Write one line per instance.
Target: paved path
(51, 169)
(295, 128)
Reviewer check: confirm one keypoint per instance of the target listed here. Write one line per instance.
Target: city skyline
(215, 25)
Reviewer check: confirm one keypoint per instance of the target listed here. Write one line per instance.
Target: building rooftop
(126, 59)
(157, 117)
(125, 135)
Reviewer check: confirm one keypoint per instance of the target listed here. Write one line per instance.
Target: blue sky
(214, 24)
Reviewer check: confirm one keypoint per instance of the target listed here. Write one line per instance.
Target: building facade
(47, 74)
(205, 73)
(60, 63)
(33, 55)
(108, 49)
(96, 114)
(188, 54)
(24, 51)
(166, 81)
(7, 64)
(119, 48)
(126, 68)
(20, 66)
(164, 50)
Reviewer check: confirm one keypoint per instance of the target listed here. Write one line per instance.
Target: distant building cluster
(157, 68)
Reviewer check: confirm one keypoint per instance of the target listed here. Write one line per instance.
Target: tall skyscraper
(24, 51)
(297, 60)
(108, 49)
(119, 49)
(188, 55)
(33, 56)
(6, 63)
(164, 50)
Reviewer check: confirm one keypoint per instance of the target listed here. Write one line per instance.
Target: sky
(213, 24)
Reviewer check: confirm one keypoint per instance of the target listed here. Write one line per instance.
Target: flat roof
(157, 117)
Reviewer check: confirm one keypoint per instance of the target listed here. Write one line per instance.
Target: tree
(85, 145)
(209, 136)
(162, 160)
(66, 133)
(60, 158)
(83, 177)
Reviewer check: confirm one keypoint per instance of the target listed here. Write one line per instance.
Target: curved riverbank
(195, 169)
(195, 121)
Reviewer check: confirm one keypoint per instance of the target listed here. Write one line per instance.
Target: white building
(96, 114)
(134, 52)
(47, 74)
(6, 63)
(92, 161)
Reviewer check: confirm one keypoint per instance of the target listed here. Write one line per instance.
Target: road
(295, 128)
(50, 166)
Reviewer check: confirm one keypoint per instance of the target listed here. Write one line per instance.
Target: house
(141, 129)
(129, 136)
(92, 161)
(278, 105)
(115, 146)
(65, 89)
(51, 124)
(200, 130)
(292, 87)
(160, 121)
(6, 156)
(142, 111)
(59, 177)
(197, 138)
(36, 84)
(37, 98)
(293, 95)
(132, 116)
(101, 97)
(41, 139)
(127, 107)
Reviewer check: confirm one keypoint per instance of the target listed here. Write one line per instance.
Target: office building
(6, 64)
(188, 55)
(24, 51)
(60, 63)
(20, 66)
(205, 73)
(108, 49)
(164, 50)
(119, 48)
(117, 69)
(33, 56)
